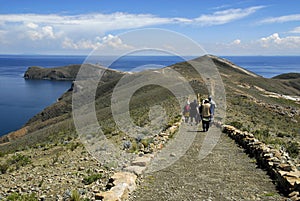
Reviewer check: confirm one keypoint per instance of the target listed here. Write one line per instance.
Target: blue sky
(223, 27)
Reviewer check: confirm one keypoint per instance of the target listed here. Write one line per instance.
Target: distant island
(58, 73)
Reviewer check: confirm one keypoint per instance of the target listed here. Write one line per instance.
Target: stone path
(227, 173)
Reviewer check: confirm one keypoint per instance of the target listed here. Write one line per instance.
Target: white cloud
(236, 42)
(48, 31)
(115, 21)
(32, 25)
(275, 41)
(225, 16)
(273, 44)
(295, 30)
(285, 18)
(98, 22)
(81, 31)
(108, 41)
(42, 33)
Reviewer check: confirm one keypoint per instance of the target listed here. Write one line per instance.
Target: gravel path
(227, 173)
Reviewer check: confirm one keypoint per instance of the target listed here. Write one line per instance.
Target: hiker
(206, 115)
(188, 100)
(213, 106)
(194, 112)
(186, 112)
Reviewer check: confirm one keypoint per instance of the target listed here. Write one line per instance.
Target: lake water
(21, 99)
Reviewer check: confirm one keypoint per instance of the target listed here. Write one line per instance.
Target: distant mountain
(286, 76)
(290, 79)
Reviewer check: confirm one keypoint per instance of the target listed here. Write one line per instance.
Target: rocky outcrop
(277, 162)
(123, 183)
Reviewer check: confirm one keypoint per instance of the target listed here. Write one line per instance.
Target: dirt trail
(225, 174)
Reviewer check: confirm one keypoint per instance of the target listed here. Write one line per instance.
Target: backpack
(187, 108)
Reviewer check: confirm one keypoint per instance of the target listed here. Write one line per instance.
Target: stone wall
(277, 162)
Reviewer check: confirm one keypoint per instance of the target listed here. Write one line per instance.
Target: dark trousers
(205, 125)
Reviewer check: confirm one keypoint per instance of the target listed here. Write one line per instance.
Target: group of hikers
(200, 110)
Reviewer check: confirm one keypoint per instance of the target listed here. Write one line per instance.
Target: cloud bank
(87, 31)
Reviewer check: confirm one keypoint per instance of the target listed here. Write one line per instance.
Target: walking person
(194, 112)
(186, 112)
(212, 110)
(206, 115)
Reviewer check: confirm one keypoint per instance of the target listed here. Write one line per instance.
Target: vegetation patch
(91, 179)
(20, 197)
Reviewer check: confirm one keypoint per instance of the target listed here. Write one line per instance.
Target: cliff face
(59, 73)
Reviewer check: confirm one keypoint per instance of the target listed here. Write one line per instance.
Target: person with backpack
(194, 111)
(205, 109)
(186, 112)
(213, 106)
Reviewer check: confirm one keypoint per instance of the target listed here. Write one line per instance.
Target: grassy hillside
(254, 104)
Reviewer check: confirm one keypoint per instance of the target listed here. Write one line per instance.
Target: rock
(141, 161)
(173, 155)
(124, 183)
(294, 193)
(138, 170)
(141, 146)
(81, 168)
(42, 197)
(285, 167)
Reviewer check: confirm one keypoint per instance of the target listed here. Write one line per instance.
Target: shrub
(19, 160)
(19, 197)
(236, 124)
(146, 142)
(75, 196)
(91, 179)
(3, 168)
(262, 134)
(73, 145)
(2, 154)
(292, 149)
(55, 158)
(282, 135)
(134, 147)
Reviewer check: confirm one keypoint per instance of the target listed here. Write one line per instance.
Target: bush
(73, 145)
(91, 179)
(293, 149)
(75, 196)
(262, 134)
(146, 142)
(19, 197)
(3, 168)
(282, 135)
(236, 124)
(19, 160)
(2, 154)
